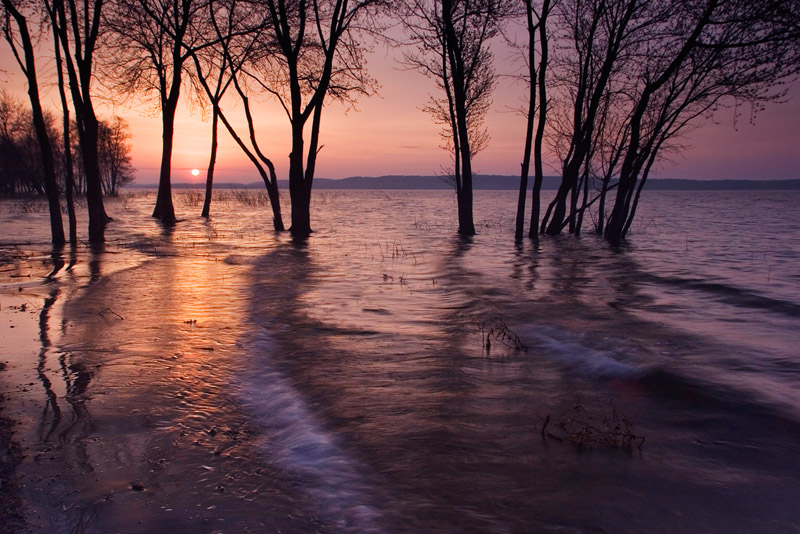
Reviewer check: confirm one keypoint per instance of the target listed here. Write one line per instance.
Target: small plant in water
(500, 332)
(585, 428)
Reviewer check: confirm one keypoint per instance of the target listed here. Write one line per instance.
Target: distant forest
(612, 88)
(21, 162)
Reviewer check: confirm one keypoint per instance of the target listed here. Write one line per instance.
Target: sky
(390, 134)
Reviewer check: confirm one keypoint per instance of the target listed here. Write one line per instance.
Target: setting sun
(195, 172)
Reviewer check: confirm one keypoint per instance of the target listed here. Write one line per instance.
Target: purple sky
(390, 134)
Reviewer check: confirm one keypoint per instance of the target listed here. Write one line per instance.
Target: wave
(731, 294)
(296, 440)
(732, 389)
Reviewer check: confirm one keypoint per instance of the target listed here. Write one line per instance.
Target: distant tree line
(21, 170)
(612, 86)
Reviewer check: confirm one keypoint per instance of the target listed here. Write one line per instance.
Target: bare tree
(13, 120)
(319, 54)
(721, 49)
(603, 38)
(150, 49)
(69, 173)
(216, 65)
(536, 26)
(234, 40)
(77, 25)
(451, 40)
(115, 155)
(22, 46)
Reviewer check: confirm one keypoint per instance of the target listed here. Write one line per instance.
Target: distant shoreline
(493, 182)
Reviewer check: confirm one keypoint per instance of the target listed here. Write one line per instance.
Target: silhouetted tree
(15, 125)
(451, 44)
(602, 39)
(115, 155)
(721, 49)
(318, 54)
(78, 26)
(212, 66)
(236, 40)
(151, 46)
(22, 46)
(69, 171)
(536, 25)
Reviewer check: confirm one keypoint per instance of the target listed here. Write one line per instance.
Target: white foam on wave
(573, 349)
(298, 443)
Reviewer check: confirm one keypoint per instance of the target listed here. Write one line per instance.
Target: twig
(109, 310)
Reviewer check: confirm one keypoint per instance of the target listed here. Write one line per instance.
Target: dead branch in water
(584, 428)
(500, 332)
(104, 311)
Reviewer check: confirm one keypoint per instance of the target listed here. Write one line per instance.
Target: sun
(195, 172)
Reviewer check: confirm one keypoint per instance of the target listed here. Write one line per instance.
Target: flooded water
(390, 377)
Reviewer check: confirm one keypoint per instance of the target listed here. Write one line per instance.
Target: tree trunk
(601, 209)
(526, 158)
(301, 209)
(627, 177)
(559, 203)
(46, 149)
(94, 189)
(211, 162)
(466, 226)
(274, 197)
(271, 181)
(164, 209)
(585, 201)
(69, 185)
(573, 205)
(536, 194)
(50, 184)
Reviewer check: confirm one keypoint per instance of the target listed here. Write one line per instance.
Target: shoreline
(22, 276)
(10, 457)
(109, 434)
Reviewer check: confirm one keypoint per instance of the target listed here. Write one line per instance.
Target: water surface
(218, 377)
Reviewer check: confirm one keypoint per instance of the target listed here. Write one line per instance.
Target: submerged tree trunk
(523, 182)
(558, 207)
(526, 158)
(98, 219)
(274, 197)
(28, 66)
(164, 209)
(601, 208)
(301, 209)
(538, 168)
(585, 202)
(69, 173)
(211, 162)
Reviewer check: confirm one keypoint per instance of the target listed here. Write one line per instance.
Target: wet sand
(20, 283)
(120, 420)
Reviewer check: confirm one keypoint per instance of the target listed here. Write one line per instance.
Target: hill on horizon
(494, 182)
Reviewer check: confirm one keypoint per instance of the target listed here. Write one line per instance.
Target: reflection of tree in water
(416, 400)
(526, 260)
(52, 411)
(75, 375)
(96, 261)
